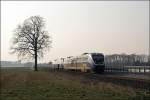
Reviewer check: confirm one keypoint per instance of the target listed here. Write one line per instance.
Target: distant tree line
(127, 60)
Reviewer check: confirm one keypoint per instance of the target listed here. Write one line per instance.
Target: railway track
(112, 78)
(122, 80)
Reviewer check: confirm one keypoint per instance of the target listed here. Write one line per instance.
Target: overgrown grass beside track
(20, 84)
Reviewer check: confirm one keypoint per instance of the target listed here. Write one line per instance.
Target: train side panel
(83, 67)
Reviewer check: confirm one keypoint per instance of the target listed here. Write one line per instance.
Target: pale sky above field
(81, 26)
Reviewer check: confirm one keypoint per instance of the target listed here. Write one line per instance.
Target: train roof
(93, 53)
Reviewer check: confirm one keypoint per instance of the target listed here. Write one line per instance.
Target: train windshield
(98, 58)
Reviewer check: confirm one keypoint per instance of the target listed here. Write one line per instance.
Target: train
(86, 62)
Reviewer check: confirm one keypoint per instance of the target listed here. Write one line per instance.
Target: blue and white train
(93, 62)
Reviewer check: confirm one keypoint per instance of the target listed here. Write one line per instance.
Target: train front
(98, 62)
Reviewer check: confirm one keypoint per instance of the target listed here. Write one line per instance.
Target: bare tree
(30, 39)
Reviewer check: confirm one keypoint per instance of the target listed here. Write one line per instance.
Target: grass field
(19, 84)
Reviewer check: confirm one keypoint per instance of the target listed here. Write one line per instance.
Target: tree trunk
(35, 66)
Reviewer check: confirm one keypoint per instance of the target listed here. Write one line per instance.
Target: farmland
(24, 84)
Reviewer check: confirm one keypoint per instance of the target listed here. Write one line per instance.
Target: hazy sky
(81, 26)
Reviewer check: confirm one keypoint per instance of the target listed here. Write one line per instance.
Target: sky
(81, 26)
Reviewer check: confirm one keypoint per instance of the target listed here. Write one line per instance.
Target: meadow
(24, 84)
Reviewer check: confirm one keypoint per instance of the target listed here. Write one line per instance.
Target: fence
(129, 69)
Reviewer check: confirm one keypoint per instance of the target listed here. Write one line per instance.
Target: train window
(98, 59)
(84, 59)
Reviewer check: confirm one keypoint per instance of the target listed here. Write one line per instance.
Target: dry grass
(29, 85)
